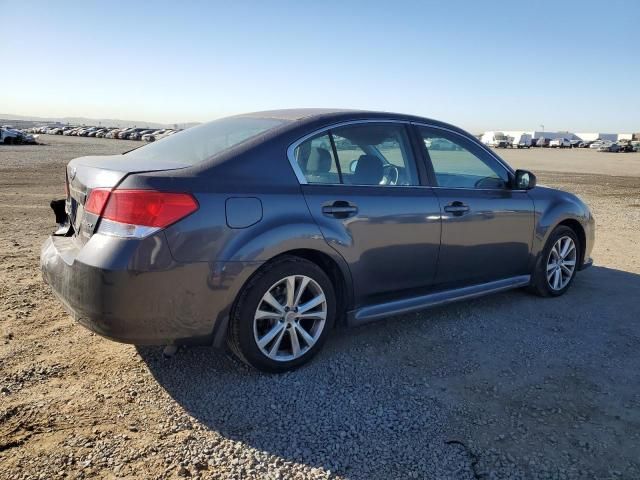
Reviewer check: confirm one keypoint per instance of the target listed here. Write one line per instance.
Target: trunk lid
(86, 173)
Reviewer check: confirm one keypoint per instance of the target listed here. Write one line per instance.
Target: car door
(487, 227)
(363, 188)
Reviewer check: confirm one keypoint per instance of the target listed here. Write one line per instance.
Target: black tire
(539, 283)
(240, 337)
(8, 141)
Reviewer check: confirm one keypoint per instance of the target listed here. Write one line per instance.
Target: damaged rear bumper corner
(176, 304)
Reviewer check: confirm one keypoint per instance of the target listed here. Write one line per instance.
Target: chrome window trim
(303, 181)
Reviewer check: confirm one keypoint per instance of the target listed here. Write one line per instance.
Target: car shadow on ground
(386, 400)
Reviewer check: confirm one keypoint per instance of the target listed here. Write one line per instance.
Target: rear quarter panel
(258, 172)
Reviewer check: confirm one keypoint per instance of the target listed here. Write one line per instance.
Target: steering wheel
(489, 182)
(391, 175)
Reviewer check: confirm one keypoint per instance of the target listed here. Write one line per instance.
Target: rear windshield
(197, 144)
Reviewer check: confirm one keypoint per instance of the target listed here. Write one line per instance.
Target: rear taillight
(137, 213)
(97, 200)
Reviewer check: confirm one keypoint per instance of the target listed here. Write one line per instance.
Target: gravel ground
(507, 386)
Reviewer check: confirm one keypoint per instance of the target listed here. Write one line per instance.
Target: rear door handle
(457, 208)
(340, 209)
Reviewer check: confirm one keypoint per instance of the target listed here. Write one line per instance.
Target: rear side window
(316, 161)
(202, 142)
(367, 154)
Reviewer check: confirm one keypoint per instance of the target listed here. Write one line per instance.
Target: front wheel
(556, 268)
(283, 315)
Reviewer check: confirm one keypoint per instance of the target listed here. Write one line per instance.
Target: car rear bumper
(136, 293)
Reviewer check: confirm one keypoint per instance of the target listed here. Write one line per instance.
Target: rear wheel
(558, 263)
(283, 315)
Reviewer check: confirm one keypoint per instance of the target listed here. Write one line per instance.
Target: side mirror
(525, 180)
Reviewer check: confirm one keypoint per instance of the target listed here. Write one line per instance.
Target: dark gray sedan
(266, 230)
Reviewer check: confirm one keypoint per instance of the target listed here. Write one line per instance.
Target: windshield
(197, 144)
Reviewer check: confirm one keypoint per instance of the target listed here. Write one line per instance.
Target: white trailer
(522, 140)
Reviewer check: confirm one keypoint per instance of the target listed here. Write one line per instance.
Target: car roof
(300, 116)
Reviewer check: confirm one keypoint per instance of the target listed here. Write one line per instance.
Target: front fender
(553, 207)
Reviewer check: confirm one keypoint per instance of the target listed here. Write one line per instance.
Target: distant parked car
(158, 135)
(625, 146)
(138, 132)
(112, 133)
(151, 136)
(439, 144)
(597, 144)
(585, 144)
(28, 138)
(609, 147)
(124, 134)
(503, 142)
(87, 131)
(102, 133)
(11, 136)
(574, 143)
(560, 143)
(543, 142)
(166, 134)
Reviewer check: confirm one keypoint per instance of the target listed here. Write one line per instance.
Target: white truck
(521, 141)
(496, 139)
(560, 142)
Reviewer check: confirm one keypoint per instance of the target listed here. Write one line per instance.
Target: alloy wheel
(561, 263)
(290, 318)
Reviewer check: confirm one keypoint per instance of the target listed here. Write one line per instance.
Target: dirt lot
(508, 386)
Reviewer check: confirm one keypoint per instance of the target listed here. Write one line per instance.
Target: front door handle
(340, 209)
(457, 208)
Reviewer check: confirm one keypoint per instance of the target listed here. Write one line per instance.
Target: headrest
(369, 170)
(319, 160)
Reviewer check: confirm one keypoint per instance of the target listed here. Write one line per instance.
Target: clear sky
(483, 65)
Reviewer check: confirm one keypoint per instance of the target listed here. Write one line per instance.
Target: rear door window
(376, 154)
